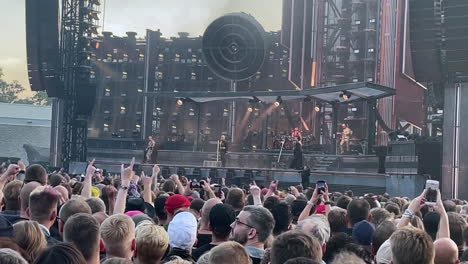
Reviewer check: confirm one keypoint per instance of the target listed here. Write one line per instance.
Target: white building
(24, 124)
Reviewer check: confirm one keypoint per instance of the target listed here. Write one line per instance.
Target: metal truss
(76, 25)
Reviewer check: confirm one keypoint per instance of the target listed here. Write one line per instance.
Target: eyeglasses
(237, 222)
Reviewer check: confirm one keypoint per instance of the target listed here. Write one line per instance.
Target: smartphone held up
(432, 188)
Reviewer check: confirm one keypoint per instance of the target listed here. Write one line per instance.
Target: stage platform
(404, 175)
(360, 183)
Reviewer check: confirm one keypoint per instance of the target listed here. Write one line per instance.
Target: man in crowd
(221, 218)
(446, 251)
(36, 173)
(358, 210)
(70, 208)
(11, 194)
(82, 230)
(251, 229)
(236, 198)
(295, 244)
(43, 203)
(204, 235)
(118, 236)
(152, 243)
(410, 245)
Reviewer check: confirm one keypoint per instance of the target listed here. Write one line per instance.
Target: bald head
(25, 193)
(206, 209)
(446, 251)
(63, 191)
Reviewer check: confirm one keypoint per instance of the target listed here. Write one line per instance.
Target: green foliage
(9, 94)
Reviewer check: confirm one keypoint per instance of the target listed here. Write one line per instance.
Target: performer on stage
(296, 133)
(297, 158)
(223, 148)
(151, 153)
(345, 137)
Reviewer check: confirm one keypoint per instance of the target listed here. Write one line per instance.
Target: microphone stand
(281, 151)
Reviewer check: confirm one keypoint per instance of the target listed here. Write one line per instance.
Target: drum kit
(289, 141)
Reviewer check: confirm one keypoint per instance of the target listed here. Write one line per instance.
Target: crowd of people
(141, 219)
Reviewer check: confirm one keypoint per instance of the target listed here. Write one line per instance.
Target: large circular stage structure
(234, 46)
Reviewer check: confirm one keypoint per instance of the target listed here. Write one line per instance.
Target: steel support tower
(77, 28)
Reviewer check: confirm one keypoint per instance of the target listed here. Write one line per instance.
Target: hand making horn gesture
(127, 173)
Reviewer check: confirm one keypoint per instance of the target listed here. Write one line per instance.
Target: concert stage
(358, 173)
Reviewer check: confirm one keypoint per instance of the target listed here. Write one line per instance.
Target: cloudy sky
(170, 16)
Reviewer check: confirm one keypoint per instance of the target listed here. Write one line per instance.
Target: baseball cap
(175, 202)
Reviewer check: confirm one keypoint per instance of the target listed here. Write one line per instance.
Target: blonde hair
(412, 245)
(152, 242)
(29, 236)
(229, 252)
(347, 258)
(117, 232)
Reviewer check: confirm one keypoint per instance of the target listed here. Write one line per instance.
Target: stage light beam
(180, 102)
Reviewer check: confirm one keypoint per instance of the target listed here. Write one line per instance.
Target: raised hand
(274, 185)
(254, 190)
(90, 170)
(156, 170)
(439, 206)
(188, 189)
(294, 191)
(12, 170)
(10, 173)
(22, 166)
(174, 177)
(205, 185)
(315, 196)
(417, 203)
(127, 173)
(147, 181)
(326, 196)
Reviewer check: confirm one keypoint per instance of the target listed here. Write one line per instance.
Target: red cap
(175, 202)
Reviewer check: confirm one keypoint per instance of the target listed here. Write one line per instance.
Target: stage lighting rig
(345, 95)
(278, 101)
(318, 107)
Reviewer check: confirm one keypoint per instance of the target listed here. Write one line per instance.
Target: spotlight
(345, 95)
(180, 102)
(250, 109)
(318, 107)
(278, 101)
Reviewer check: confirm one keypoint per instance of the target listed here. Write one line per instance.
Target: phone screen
(321, 186)
(431, 191)
(431, 195)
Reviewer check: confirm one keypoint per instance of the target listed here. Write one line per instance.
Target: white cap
(182, 231)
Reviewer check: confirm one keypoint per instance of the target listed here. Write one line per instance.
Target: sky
(120, 16)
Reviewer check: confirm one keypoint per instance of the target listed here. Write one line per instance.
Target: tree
(9, 91)
(39, 98)
(9, 94)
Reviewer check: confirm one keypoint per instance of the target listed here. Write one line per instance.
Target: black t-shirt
(203, 239)
(256, 260)
(197, 253)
